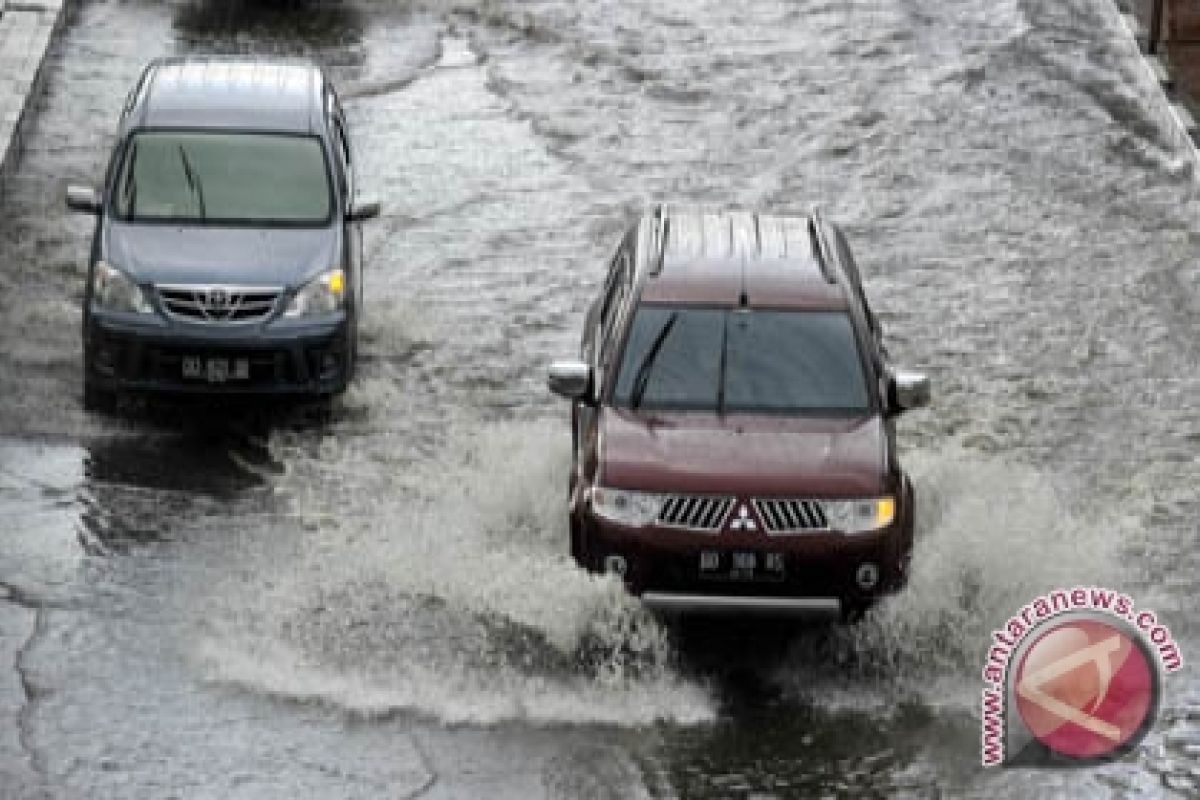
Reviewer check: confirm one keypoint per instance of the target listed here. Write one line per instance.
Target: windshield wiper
(724, 358)
(193, 181)
(642, 377)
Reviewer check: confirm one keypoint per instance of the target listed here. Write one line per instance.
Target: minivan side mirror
(362, 210)
(907, 390)
(83, 198)
(570, 379)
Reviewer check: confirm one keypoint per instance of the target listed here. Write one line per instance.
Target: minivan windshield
(222, 177)
(741, 360)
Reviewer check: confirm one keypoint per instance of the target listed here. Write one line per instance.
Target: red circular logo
(1086, 688)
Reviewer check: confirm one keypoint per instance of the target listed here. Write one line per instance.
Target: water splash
(464, 606)
(991, 535)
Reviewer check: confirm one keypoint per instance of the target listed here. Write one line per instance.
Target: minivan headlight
(324, 294)
(626, 507)
(113, 290)
(859, 516)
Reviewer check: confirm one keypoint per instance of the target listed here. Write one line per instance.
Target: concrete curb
(28, 28)
(1158, 74)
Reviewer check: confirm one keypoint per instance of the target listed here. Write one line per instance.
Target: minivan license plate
(741, 565)
(216, 370)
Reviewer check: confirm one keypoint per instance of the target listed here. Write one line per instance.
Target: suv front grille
(219, 303)
(790, 515)
(695, 511)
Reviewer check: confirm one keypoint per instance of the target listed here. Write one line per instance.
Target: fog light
(615, 565)
(867, 575)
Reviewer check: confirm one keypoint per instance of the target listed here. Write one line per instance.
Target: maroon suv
(734, 446)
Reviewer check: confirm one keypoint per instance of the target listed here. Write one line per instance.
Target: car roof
(229, 92)
(738, 258)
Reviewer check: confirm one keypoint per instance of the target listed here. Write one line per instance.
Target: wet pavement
(243, 602)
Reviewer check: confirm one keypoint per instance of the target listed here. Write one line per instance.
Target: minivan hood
(743, 454)
(161, 253)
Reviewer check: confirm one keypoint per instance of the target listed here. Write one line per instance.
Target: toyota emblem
(217, 299)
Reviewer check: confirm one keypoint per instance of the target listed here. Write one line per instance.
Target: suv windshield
(717, 359)
(223, 177)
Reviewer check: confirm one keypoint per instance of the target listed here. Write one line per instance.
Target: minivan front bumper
(124, 353)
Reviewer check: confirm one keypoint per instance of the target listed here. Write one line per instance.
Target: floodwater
(254, 603)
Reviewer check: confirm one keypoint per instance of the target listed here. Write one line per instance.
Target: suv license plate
(741, 565)
(216, 370)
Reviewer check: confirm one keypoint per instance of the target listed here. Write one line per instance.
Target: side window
(847, 259)
(343, 142)
(606, 316)
(343, 158)
(851, 267)
(617, 292)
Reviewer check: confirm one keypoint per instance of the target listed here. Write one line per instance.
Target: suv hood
(153, 253)
(743, 454)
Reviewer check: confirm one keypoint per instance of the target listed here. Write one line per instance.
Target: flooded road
(250, 603)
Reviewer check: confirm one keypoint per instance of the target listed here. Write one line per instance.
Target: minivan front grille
(222, 304)
(791, 515)
(698, 512)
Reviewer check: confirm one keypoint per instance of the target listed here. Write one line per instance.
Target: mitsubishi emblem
(743, 521)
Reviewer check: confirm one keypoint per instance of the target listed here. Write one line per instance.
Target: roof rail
(816, 227)
(662, 233)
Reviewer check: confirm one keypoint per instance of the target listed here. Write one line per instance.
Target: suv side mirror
(570, 379)
(362, 210)
(83, 198)
(906, 390)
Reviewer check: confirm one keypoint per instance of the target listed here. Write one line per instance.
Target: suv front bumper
(821, 569)
(734, 605)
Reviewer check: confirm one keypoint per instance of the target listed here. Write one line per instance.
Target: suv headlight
(324, 294)
(113, 290)
(626, 507)
(859, 516)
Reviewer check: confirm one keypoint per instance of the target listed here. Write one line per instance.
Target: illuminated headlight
(113, 290)
(858, 516)
(322, 295)
(626, 507)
